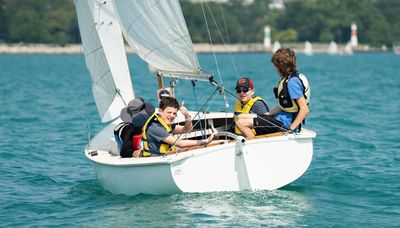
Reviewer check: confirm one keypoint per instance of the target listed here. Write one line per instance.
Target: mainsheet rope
(273, 124)
(211, 42)
(206, 103)
(219, 88)
(237, 74)
(199, 119)
(197, 108)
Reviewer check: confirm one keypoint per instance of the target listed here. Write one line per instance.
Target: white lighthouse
(354, 38)
(267, 37)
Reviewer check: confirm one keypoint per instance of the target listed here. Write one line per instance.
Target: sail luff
(105, 57)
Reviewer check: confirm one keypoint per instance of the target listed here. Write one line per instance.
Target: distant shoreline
(199, 48)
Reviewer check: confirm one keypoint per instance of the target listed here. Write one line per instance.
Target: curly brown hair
(284, 59)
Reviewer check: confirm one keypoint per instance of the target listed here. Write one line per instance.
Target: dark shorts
(125, 137)
(266, 124)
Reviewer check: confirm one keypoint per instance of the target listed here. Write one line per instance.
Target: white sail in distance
(158, 32)
(308, 48)
(332, 50)
(275, 47)
(348, 49)
(105, 56)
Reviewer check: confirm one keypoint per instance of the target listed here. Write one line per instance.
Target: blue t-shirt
(295, 89)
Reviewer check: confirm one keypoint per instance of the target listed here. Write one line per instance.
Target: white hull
(258, 164)
(264, 163)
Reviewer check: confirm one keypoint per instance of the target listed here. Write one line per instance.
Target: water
(45, 180)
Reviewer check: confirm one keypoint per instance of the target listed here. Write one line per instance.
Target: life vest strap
(246, 109)
(164, 147)
(153, 152)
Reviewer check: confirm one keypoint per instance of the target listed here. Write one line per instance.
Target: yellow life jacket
(164, 147)
(282, 93)
(245, 109)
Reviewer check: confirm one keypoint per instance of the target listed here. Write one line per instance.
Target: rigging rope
(87, 123)
(98, 23)
(199, 118)
(118, 91)
(220, 88)
(197, 107)
(211, 42)
(237, 74)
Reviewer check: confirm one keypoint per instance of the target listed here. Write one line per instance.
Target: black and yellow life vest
(164, 147)
(282, 93)
(245, 109)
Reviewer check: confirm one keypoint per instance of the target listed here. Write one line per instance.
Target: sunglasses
(244, 90)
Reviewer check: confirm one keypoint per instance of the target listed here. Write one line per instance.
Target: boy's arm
(187, 142)
(274, 111)
(303, 112)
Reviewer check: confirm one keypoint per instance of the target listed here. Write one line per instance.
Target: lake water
(46, 107)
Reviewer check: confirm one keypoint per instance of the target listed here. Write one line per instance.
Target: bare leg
(245, 123)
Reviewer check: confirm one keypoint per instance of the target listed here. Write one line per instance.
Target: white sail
(396, 50)
(348, 49)
(158, 32)
(105, 56)
(308, 48)
(276, 46)
(332, 49)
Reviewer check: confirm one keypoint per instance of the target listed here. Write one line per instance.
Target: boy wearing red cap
(293, 95)
(247, 106)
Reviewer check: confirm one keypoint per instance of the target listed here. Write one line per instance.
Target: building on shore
(354, 37)
(267, 37)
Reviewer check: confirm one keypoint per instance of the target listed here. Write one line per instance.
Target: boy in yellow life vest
(158, 131)
(247, 104)
(293, 97)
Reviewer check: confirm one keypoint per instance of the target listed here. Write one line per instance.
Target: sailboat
(332, 49)
(158, 32)
(348, 50)
(396, 49)
(275, 46)
(308, 48)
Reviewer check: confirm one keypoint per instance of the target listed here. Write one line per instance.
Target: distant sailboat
(276, 46)
(308, 48)
(332, 49)
(396, 49)
(348, 50)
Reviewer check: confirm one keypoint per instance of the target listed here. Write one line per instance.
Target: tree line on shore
(378, 21)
